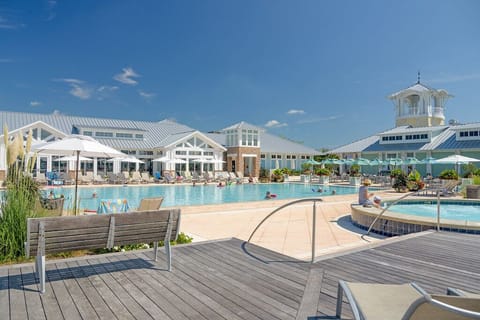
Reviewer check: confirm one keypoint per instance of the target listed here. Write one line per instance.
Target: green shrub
(396, 172)
(400, 183)
(469, 170)
(355, 170)
(476, 180)
(449, 174)
(322, 172)
(414, 175)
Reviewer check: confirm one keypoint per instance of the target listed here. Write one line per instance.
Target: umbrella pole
(76, 184)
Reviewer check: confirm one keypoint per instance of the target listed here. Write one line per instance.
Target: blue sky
(317, 72)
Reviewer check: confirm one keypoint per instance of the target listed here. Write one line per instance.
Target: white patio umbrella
(74, 158)
(457, 159)
(76, 145)
(71, 158)
(127, 159)
(164, 159)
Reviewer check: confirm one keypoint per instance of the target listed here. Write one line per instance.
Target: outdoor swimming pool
(186, 195)
(419, 215)
(453, 210)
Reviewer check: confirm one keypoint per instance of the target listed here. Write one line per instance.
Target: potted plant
(324, 175)
(264, 176)
(401, 182)
(414, 181)
(277, 175)
(473, 190)
(355, 177)
(448, 174)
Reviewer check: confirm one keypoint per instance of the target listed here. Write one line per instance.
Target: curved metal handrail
(395, 202)
(315, 200)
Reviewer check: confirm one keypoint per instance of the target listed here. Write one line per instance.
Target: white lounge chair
(403, 301)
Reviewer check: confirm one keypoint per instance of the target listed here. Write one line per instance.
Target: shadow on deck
(232, 280)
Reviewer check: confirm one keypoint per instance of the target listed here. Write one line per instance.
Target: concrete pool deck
(288, 232)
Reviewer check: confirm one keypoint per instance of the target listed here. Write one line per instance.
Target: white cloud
(275, 124)
(320, 119)
(146, 95)
(83, 93)
(6, 23)
(78, 88)
(126, 76)
(295, 111)
(70, 80)
(107, 88)
(51, 10)
(454, 78)
(57, 112)
(3, 60)
(35, 103)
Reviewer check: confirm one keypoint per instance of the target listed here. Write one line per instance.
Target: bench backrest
(100, 231)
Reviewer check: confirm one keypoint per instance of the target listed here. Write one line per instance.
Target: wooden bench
(61, 234)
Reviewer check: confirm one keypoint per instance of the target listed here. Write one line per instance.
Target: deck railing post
(314, 228)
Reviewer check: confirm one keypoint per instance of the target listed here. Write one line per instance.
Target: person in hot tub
(364, 196)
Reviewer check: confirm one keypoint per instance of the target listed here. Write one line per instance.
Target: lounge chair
(168, 177)
(136, 177)
(147, 204)
(403, 301)
(85, 179)
(66, 179)
(126, 177)
(146, 178)
(98, 179)
(158, 178)
(41, 178)
(462, 293)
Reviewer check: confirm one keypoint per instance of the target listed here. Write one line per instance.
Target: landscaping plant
(19, 197)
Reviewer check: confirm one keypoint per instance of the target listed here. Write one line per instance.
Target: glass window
(123, 135)
(104, 134)
(139, 136)
(87, 133)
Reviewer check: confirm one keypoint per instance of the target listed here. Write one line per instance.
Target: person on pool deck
(364, 195)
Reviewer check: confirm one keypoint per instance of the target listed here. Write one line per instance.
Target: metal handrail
(314, 219)
(398, 200)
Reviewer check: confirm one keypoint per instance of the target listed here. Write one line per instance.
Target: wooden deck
(230, 280)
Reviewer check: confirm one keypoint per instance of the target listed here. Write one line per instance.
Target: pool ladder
(314, 220)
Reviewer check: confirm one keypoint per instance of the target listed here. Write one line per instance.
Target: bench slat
(74, 233)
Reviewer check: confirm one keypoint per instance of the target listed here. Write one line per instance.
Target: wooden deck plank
(107, 298)
(121, 275)
(277, 272)
(32, 298)
(220, 280)
(170, 303)
(73, 294)
(219, 290)
(203, 293)
(18, 308)
(56, 300)
(4, 293)
(130, 308)
(270, 292)
(185, 293)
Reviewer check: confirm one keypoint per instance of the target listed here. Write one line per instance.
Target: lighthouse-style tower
(420, 106)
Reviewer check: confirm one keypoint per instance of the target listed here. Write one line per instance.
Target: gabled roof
(445, 140)
(419, 88)
(243, 125)
(356, 146)
(272, 144)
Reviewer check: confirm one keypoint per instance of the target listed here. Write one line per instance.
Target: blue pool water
(457, 210)
(184, 195)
